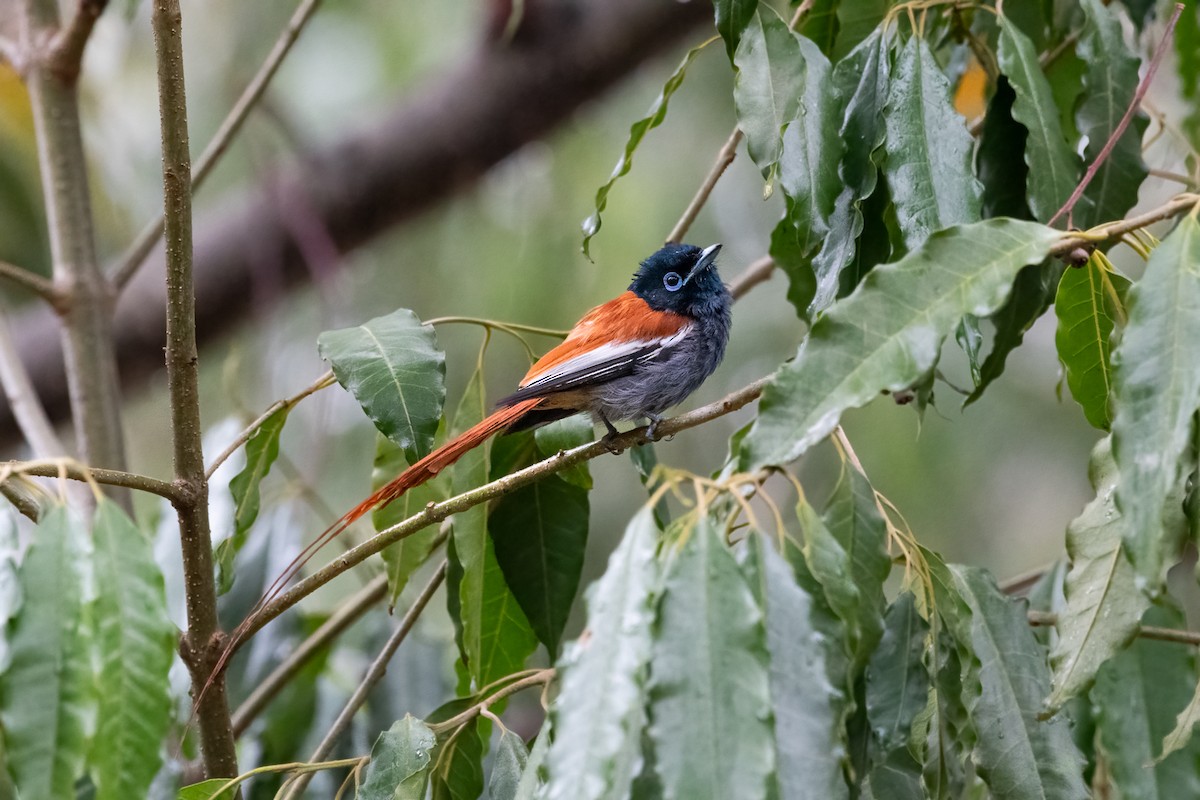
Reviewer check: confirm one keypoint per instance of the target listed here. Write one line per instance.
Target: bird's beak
(707, 257)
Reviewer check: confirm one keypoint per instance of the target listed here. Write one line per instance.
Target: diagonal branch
(31, 281)
(65, 55)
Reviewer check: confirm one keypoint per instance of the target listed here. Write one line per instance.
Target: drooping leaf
(531, 783)
(1104, 603)
(400, 762)
(1032, 293)
(637, 132)
(711, 735)
(806, 706)
(1137, 696)
(457, 770)
(599, 713)
(1087, 303)
(564, 435)
(1053, 165)
(496, 635)
(856, 20)
(820, 25)
(406, 556)
(509, 764)
(48, 691)
(1005, 679)
(1156, 390)
(261, 451)
(928, 162)
(1109, 84)
(1000, 159)
(862, 78)
(732, 19)
(888, 333)
(1181, 735)
(136, 642)
(897, 681)
(395, 370)
(769, 86)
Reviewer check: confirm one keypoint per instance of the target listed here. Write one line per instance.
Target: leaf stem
(539, 678)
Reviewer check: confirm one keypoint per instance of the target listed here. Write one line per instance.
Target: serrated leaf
(1104, 603)
(1005, 678)
(1109, 84)
(1136, 697)
(809, 735)
(1000, 160)
(395, 370)
(136, 643)
(769, 85)
(710, 713)
(1086, 305)
(208, 790)
(732, 18)
(400, 762)
(1053, 166)
(261, 451)
(1156, 390)
(888, 333)
(496, 637)
(406, 556)
(48, 692)
(508, 766)
(928, 162)
(637, 132)
(897, 682)
(599, 713)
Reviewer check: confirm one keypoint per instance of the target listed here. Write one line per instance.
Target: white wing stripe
(607, 352)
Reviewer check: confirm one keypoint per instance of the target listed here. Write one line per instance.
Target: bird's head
(681, 278)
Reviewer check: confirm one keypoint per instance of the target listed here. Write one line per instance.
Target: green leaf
(599, 713)
(1000, 160)
(1156, 390)
(457, 772)
(1185, 724)
(897, 681)
(1109, 84)
(769, 86)
(496, 636)
(1104, 603)
(808, 174)
(820, 25)
(710, 711)
(1053, 165)
(395, 370)
(563, 435)
(1088, 301)
(862, 77)
(928, 147)
(1004, 681)
(1187, 65)
(1032, 293)
(637, 132)
(406, 556)
(539, 533)
(136, 643)
(856, 20)
(807, 707)
(888, 333)
(1136, 698)
(48, 691)
(732, 18)
(531, 785)
(207, 790)
(507, 767)
(400, 762)
(261, 451)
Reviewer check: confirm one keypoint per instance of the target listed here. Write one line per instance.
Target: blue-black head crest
(681, 278)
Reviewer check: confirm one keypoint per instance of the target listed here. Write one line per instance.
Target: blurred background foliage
(994, 484)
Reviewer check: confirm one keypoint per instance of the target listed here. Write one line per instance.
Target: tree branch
(1049, 619)
(23, 401)
(65, 55)
(30, 281)
(137, 253)
(539, 678)
(201, 644)
(54, 467)
(446, 136)
(725, 157)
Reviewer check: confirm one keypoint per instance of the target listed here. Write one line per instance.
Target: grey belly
(658, 384)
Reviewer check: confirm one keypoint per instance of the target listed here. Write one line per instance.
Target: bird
(633, 357)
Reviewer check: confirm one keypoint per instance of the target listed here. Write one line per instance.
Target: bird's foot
(652, 428)
(609, 439)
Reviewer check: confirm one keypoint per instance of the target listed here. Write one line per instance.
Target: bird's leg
(612, 434)
(652, 428)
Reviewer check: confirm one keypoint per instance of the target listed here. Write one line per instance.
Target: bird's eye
(672, 281)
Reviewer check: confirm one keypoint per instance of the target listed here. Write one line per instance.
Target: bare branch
(136, 255)
(725, 157)
(758, 272)
(65, 55)
(1046, 618)
(23, 401)
(53, 467)
(30, 281)
(539, 678)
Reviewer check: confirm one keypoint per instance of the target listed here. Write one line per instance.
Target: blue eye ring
(672, 281)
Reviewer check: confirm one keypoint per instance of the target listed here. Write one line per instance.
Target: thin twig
(201, 645)
(65, 55)
(724, 158)
(374, 674)
(35, 283)
(1173, 176)
(758, 272)
(23, 400)
(539, 678)
(1134, 104)
(288, 402)
(136, 255)
(52, 468)
(346, 615)
(1049, 619)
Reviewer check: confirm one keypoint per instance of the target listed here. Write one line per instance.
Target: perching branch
(136, 255)
(68, 468)
(201, 644)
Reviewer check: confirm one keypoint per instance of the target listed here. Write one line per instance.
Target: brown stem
(23, 400)
(31, 281)
(144, 244)
(374, 674)
(1046, 618)
(758, 272)
(202, 644)
(53, 468)
(66, 48)
(539, 678)
(724, 158)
